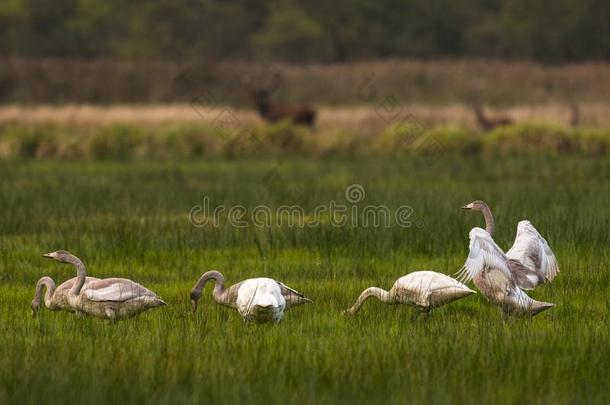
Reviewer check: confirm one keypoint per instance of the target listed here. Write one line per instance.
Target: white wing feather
(120, 291)
(533, 251)
(484, 253)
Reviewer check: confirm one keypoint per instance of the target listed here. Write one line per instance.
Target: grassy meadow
(132, 220)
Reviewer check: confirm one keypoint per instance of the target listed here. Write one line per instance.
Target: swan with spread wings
(489, 268)
(530, 259)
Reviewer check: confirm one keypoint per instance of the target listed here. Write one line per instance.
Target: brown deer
(488, 123)
(273, 112)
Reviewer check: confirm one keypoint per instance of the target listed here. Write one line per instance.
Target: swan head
(62, 256)
(35, 307)
(194, 300)
(476, 205)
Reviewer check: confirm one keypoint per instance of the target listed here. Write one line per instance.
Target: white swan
(421, 289)
(256, 299)
(489, 268)
(55, 299)
(531, 259)
(260, 300)
(110, 298)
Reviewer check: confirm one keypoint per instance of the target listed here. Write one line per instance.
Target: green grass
(171, 142)
(131, 220)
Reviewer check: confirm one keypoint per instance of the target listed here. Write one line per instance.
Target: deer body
(261, 90)
(277, 112)
(488, 123)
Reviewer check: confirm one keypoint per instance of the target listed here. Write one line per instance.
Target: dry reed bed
(53, 81)
(375, 117)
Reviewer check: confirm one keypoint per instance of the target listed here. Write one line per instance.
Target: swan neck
(48, 297)
(219, 287)
(81, 274)
(382, 295)
(379, 293)
(490, 225)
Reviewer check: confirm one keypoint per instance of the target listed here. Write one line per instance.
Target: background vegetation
(111, 81)
(310, 31)
(201, 141)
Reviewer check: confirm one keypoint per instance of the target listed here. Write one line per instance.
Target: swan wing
(533, 252)
(423, 282)
(484, 254)
(287, 291)
(67, 285)
(116, 290)
(435, 281)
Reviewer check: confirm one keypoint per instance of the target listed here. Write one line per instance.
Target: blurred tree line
(307, 31)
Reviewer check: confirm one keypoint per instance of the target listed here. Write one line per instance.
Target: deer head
(488, 123)
(261, 86)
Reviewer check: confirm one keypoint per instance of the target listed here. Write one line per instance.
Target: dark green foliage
(313, 31)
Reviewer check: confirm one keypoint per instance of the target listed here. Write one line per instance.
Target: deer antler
(275, 80)
(246, 80)
(266, 79)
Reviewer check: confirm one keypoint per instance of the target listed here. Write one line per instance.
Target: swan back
(260, 300)
(430, 289)
(115, 298)
(115, 289)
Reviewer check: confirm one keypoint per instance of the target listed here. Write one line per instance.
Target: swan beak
(467, 207)
(49, 255)
(194, 305)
